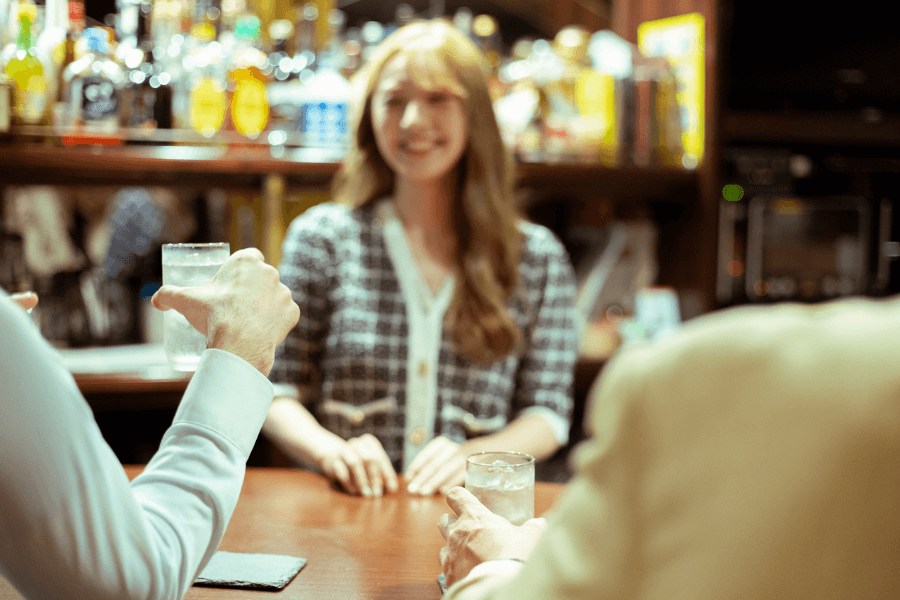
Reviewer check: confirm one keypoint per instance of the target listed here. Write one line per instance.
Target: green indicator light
(733, 192)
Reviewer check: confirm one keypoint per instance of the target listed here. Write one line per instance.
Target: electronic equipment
(812, 224)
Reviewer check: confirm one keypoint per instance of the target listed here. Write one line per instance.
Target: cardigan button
(417, 436)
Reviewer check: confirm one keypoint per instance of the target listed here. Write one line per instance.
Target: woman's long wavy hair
(484, 216)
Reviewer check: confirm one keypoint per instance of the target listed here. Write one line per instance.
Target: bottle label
(208, 106)
(31, 100)
(99, 99)
(249, 109)
(323, 123)
(76, 15)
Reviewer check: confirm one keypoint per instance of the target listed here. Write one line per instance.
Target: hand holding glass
(188, 265)
(504, 483)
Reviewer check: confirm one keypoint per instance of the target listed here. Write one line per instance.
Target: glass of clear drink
(188, 265)
(504, 483)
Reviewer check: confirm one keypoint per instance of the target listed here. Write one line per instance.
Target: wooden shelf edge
(851, 127)
(200, 165)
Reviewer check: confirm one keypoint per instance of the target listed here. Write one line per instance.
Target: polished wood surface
(372, 549)
(224, 166)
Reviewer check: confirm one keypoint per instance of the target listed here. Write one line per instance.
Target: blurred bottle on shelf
(462, 20)
(280, 63)
(372, 34)
(283, 90)
(402, 15)
(31, 101)
(612, 59)
(249, 109)
(353, 45)
(206, 81)
(93, 87)
(147, 103)
(53, 47)
(305, 42)
(323, 115)
(76, 18)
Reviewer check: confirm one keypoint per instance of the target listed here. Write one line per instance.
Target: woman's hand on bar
(360, 465)
(438, 467)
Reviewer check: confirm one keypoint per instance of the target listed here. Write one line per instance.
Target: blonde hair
(485, 220)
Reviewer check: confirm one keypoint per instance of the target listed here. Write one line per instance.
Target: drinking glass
(504, 483)
(188, 265)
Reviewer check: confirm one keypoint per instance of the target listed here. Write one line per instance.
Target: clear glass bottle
(323, 115)
(147, 104)
(305, 42)
(94, 86)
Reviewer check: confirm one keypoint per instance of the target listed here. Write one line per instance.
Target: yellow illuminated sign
(681, 41)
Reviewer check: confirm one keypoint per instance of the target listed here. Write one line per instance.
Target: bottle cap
(247, 27)
(28, 10)
(96, 39)
(571, 43)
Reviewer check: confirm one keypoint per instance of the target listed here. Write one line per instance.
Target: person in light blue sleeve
(71, 524)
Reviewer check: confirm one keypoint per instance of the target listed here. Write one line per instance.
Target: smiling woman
(436, 323)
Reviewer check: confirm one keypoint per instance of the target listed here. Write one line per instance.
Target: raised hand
(245, 309)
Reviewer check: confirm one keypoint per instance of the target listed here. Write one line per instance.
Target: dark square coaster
(250, 571)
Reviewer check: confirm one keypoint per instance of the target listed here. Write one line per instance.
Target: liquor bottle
(403, 15)
(94, 84)
(280, 62)
(283, 90)
(206, 82)
(305, 42)
(25, 71)
(147, 104)
(323, 115)
(246, 83)
(52, 46)
(372, 34)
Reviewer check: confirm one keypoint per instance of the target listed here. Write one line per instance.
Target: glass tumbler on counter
(188, 265)
(504, 483)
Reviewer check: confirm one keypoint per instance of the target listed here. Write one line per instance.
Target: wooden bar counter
(358, 548)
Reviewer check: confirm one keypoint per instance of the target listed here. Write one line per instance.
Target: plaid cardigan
(348, 353)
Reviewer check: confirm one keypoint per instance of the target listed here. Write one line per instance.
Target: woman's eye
(393, 102)
(438, 98)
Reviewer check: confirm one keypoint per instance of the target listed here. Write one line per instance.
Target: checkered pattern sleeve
(546, 370)
(306, 268)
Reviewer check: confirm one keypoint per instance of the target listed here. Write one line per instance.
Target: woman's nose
(414, 114)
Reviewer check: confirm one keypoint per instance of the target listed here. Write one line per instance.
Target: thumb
(166, 297)
(539, 523)
(189, 301)
(463, 502)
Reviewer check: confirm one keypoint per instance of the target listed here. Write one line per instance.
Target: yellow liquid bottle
(249, 105)
(25, 71)
(207, 89)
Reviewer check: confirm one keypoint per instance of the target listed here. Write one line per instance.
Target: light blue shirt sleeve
(71, 524)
